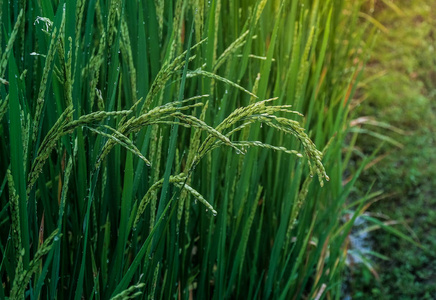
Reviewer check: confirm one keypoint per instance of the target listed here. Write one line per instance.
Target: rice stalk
(43, 84)
(130, 293)
(22, 279)
(16, 227)
(7, 51)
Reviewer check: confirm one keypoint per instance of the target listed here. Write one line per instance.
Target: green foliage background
(399, 89)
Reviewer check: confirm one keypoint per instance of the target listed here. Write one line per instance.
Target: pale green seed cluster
(165, 73)
(22, 279)
(151, 193)
(159, 12)
(156, 153)
(22, 28)
(193, 147)
(238, 43)
(80, 8)
(46, 147)
(25, 134)
(180, 182)
(4, 107)
(248, 144)
(243, 135)
(93, 118)
(4, 61)
(95, 63)
(67, 174)
(69, 77)
(292, 127)
(154, 283)
(178, 23)
(43, 85)
(126, 51)
(197, 196)
(98, 14)
(259, 10)
(15, 216)
(305, 65)
(158, 115)
(217, 22)
(111, 24)
(198, 9)
(5, 56)
(100, 101)
(130, 293)
(296, 208)
(246, 233)
(259, 112)
(200, 72)
(120, 139)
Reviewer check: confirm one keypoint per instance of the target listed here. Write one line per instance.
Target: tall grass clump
(175, 149)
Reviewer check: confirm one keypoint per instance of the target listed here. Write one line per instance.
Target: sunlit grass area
(177, 149)
(399, 89)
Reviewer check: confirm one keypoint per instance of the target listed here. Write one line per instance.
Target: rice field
(178, 149)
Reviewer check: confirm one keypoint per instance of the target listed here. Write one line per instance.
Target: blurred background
(395, 106)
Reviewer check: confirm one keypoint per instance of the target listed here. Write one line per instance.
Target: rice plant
(167, 149)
